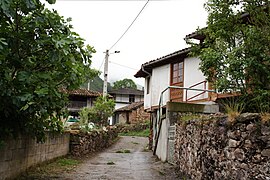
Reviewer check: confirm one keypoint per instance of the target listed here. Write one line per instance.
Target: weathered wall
(123, 128)
(84, 143)
(212, 149)
(138, 116)
(122, 119)
(19, 154)
(160, 80)
(192, 64)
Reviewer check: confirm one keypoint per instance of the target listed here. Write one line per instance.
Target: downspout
(149, 75)
(152, 123)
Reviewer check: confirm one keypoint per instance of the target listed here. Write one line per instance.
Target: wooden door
(177, 79)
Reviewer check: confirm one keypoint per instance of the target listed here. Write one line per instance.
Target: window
(131, 98)
(147, 85)
(177, 72)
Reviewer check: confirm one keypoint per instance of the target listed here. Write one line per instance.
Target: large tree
(39, 55)
(124, 83)
(235, 54)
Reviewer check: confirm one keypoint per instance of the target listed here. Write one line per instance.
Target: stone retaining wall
(123, 128)
(84, 143)
(212, 149)
(19, 154)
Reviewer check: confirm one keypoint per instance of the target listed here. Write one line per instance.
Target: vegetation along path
(127, 159)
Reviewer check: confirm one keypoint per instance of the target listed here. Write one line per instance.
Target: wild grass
(54, 167)
(110, 163)
(143, 133)
(123, 151)
(265, 117)
(233, 108)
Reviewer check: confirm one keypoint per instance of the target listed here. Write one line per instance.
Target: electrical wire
(101, 64)
(130, 25)
(122, 65)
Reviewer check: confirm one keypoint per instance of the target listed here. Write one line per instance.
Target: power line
(122, 65)
(130, 25)
(101, 64)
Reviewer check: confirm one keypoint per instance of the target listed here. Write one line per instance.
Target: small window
(177, 72)
(131, 98)
(147, 85)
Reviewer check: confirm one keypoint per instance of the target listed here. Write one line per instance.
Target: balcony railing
(201, 93)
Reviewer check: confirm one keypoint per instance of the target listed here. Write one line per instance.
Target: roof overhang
(147, 68)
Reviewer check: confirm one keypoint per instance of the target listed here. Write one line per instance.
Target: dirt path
(138, 164)
(127, 159)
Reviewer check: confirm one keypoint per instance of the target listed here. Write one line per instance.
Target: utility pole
(105, 88)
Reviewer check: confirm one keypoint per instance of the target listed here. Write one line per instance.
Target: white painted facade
(192, 76)
(123, 100)
(159, 81)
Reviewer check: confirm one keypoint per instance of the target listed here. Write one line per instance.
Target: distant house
(131, 114)
(126, 96)
(79, 99)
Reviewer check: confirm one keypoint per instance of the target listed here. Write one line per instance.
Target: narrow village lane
(118, 163)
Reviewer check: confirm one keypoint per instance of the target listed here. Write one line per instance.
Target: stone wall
(138, 116)
(214, 149)
(123, 128)
(84, 143)
(19, 154)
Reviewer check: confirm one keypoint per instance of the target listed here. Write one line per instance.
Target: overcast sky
(158, 31)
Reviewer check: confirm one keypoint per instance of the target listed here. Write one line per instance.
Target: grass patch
(51, 168)
(123, 151)
(59, 165)
(110, 163)
(144, 133)
(190, 117)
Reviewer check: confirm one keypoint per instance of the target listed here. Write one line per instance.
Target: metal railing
(158, 119)
(192, 97)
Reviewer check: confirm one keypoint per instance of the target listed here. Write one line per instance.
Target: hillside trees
(125, 83)
(235, 54)
(39, 54)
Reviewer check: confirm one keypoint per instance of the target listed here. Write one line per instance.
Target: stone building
(131, 114)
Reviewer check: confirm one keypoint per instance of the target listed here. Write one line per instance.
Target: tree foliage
(125, 83)
(235, 54)
(103, 108)
(39, 54)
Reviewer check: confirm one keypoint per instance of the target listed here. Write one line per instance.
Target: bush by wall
(212, 149)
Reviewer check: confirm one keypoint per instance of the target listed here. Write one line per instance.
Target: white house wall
(122, 98)
(138, 98)
(120, 105)
(159, 80)
(193, 75)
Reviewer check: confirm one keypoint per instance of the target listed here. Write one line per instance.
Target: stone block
(233, 143)
(239, 154)
(265, 152)
(265, 130)
(246, 117)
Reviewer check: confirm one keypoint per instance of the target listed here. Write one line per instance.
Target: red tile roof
(82, 92)
(126, 91)
(148, 66)
(130, 107)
